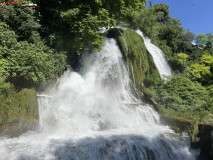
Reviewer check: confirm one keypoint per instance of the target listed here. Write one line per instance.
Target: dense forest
(37, 45)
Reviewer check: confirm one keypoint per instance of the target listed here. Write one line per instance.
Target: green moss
(17, 106)
(136, 56)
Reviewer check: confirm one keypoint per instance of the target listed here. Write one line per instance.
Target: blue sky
(197, 15)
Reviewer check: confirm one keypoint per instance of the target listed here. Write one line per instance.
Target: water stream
(158, 57)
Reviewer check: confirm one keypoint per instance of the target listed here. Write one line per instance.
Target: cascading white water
(158, 57)
(94, 116)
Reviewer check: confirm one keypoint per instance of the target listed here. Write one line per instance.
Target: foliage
(182, 59)
(87, 30)
(204, 40)
(203, 71)
(25, 64)
(29, 65)
(82, 19)
(21, 20)
(144, 20)
(207, 60)
(200, 39)
(162, 11)
(182, 97)
(8, 38)
(198, 71)
(189, 36)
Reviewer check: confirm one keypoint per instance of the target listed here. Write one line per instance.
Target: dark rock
(206, 141)
(114, 33)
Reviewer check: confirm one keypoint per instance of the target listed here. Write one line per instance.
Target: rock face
(139, 61)
(18, 112)
(206, 141)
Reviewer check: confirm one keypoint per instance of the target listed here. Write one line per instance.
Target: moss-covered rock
(138, 59)
(18, 112)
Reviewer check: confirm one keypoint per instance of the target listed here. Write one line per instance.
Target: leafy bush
(22, 21)
(30, 65)
(203, 71)
(181, 94)
(27, 64)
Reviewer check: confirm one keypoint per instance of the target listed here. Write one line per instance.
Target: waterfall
(90, 116)
(158, 57)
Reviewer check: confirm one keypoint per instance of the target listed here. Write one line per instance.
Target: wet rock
(206, 141)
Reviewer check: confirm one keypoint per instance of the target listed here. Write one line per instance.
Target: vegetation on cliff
(18, 106)
(139, 61)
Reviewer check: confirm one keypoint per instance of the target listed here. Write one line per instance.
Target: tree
(203, 71)
(83, 18)
(162, 11)
(182, 59)
(199, 72)
(171, 32)
(21, 20)
(85, 27)
(200, 39)
(205, 40)
(8, 38)
(189, 36)
(207, 60)
(145, 20)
